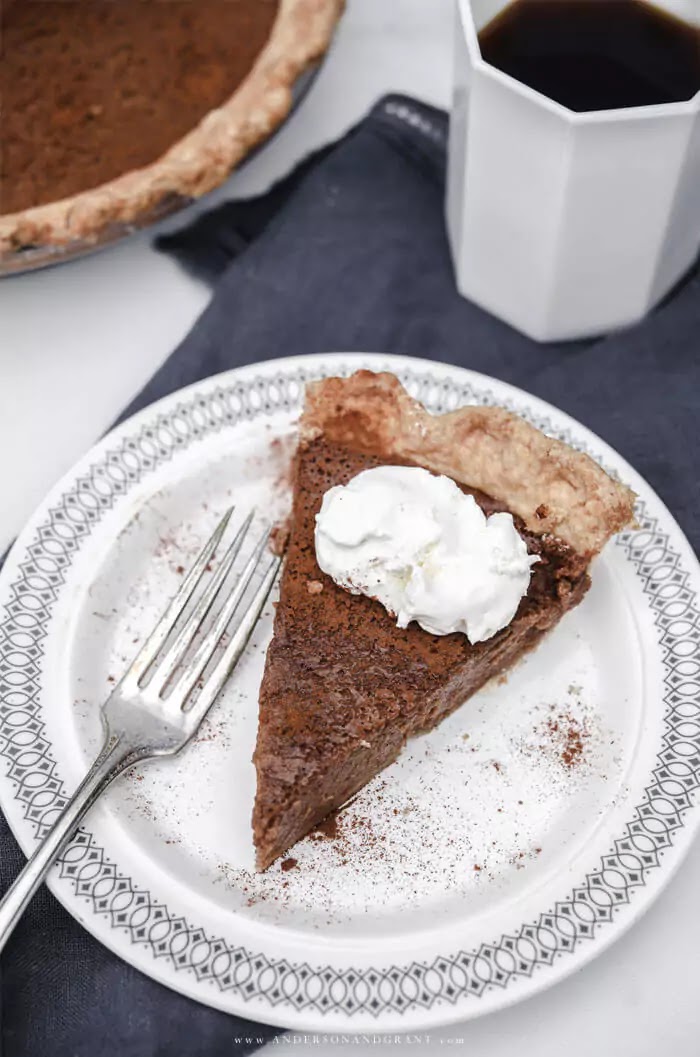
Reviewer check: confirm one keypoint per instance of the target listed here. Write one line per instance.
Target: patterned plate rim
(179, 953)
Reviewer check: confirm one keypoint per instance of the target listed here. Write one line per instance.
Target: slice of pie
(113, 109)
(343, 686)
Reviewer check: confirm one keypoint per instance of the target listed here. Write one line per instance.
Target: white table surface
(78, 341)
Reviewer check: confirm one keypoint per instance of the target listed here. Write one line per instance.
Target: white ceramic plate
(502, 850)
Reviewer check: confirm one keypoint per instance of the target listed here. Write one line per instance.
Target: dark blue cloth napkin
(348, 253)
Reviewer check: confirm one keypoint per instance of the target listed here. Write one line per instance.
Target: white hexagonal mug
(566, 224)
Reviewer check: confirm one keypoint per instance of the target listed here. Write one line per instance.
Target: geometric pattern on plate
(112, 894)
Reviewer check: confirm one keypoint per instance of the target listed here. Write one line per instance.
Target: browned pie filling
(344, 687)
(93, 89)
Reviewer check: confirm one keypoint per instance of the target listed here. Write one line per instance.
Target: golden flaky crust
(552, 487)
(205, 156)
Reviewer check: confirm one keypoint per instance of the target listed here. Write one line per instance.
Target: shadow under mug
(566, 224)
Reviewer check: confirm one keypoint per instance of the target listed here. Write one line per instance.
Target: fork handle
(112, 759)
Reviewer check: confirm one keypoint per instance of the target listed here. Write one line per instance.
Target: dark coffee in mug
(596, 54)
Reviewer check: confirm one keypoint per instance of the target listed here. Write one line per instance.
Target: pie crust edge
(554, 488)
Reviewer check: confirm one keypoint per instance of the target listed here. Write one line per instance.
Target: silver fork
(154, 710)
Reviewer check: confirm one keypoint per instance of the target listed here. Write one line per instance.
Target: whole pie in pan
(343, 686)
(113, 108)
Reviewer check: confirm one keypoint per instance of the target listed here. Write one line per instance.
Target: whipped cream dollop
(425, 550)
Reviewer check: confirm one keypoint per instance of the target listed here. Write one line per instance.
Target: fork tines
(169, 667)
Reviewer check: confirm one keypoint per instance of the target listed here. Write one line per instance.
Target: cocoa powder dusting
(569, 736)
(563, 738)
(283, 450)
